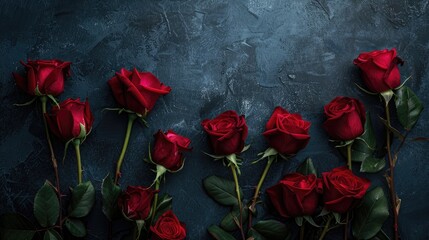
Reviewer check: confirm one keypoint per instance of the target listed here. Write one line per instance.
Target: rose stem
(349, 164)
(44, 100)
(155, 201)
(131, 118)
(302, 231)
(240, 207)
(391, 179)
(326, 228)
(258, 187)
(76, 144)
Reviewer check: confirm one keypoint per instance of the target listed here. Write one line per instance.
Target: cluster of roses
(300, 195)
(71, 121)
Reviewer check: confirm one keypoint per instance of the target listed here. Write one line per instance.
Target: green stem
(326, 228)
(302, 231)
(155, 201)
(240, 205)
(258, 187)
(44, 100)
(349, 156)
(391, 178)
(131, 118)
(76, 144)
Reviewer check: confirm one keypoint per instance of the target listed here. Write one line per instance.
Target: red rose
(168, 227)
(71, 119)
(295, 195)
(44, 77)
(227, 132)
(379, 69)
(136, 202)
(342, 189)
(137, 91)
(168, 149)
(345, 118)
(286, 132)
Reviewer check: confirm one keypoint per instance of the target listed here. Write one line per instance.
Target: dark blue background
(216, 55)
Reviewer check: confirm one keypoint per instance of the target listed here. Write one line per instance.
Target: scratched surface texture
(216, 55)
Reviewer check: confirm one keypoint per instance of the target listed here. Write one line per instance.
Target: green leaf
(110, 193)
(307, 167)
(370, 215)
(221, 190)
(254, 235)
(408, 107)
(14, 226)
(272, 229)
(52, 235)
(372, 165)
(219, 234)
(229, 222)
(46, 206)
(75, 227)
(164, 204)
(82, 200)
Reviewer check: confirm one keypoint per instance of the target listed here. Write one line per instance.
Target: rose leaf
(408, 107)
(82, 200)
(46, 206)
(370, 215)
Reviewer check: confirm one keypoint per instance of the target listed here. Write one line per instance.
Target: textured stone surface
(216, 55)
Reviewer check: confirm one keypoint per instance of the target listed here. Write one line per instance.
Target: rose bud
(286, 132)
(226, 132)
(137, 91)
(295, 195)
(168, 227)
(379, 69)
(44, 77)
(342, 189)
(136, 202)
(72, 119)
(168, 149)
(345, 118)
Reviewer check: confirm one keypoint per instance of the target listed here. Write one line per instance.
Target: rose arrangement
(316, 202)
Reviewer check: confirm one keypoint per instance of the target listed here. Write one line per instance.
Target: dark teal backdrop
(216, 55)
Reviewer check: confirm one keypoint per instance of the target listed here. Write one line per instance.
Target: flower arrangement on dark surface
(317, 202)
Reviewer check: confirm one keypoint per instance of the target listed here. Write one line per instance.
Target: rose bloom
(226, 132)
(380, 69)
(136, 202)
(137, 91)
(168, 227)
(69, 119)
(345, 118)
(168, 149)
(342, 189)
(296, 195)
(44, 77)
(287, 132)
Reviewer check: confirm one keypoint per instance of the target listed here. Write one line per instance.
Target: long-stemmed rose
(227, 133)
(71, 121)
(168, 227)
(381, 75)
(167, 156)
(136, 93)
(286, 134)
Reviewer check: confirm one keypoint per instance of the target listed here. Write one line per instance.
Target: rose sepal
(387, 96)
(140, 224)
(231, 159)
(365, 90)
(341, 144)
(403, 83)
(121, 110)
(300, 220)
(26, 103)
(265, 154)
